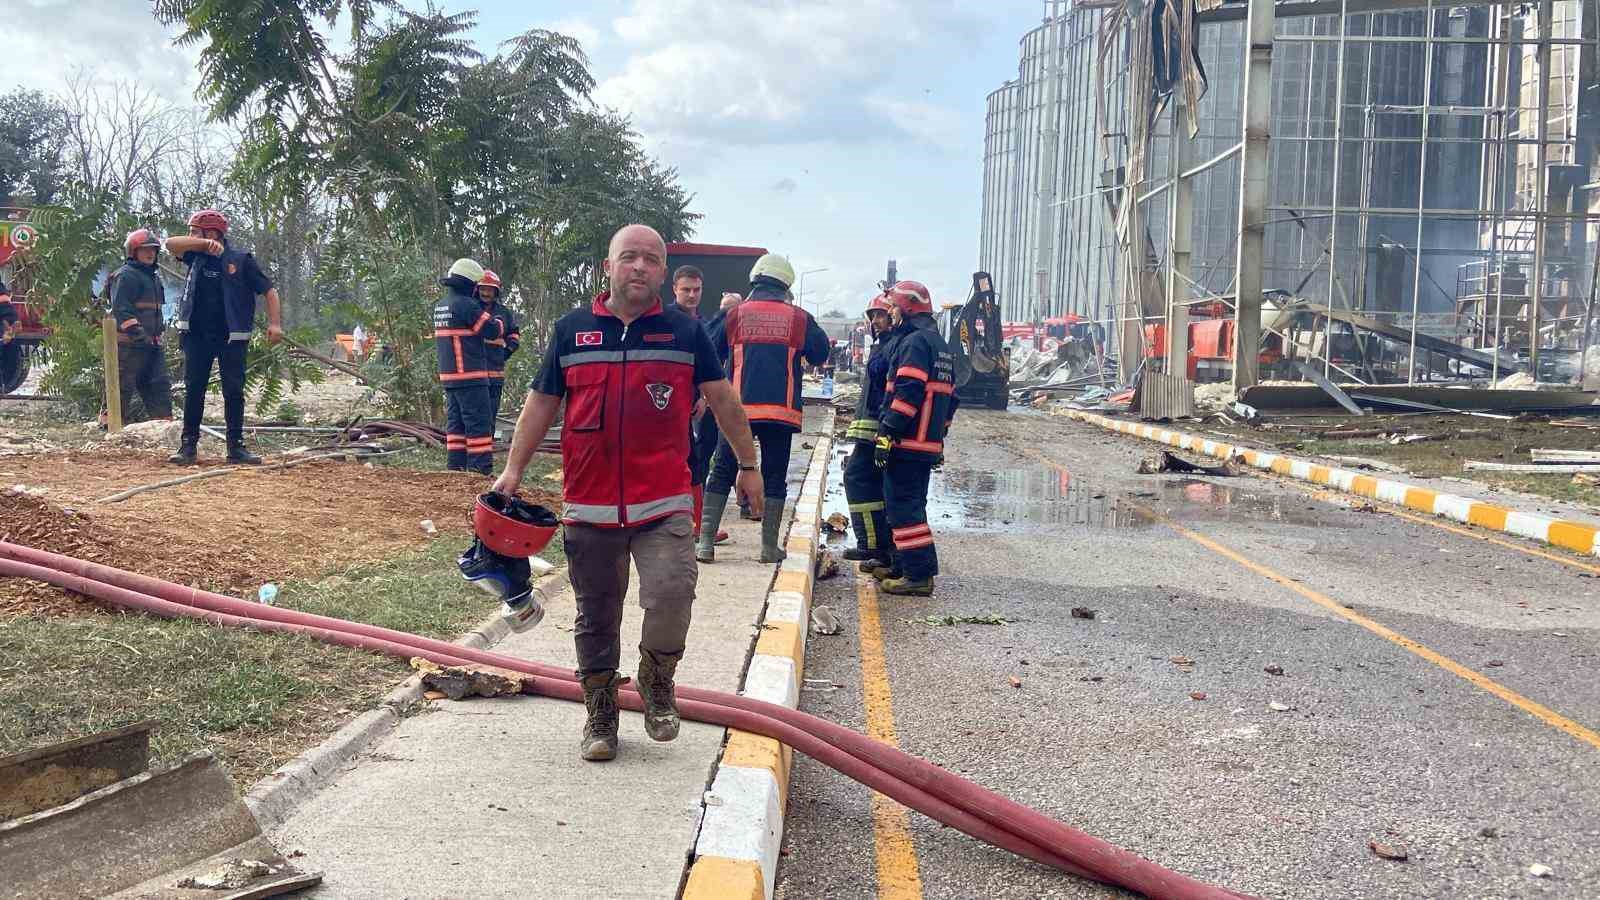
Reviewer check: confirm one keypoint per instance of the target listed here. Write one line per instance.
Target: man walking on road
(461, 329)
(767, 338)
(916, 414)
(137, 296)
(863, 480)
(688, 283)
(215, 319)
(630, 372)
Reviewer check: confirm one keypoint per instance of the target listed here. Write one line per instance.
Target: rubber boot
(705, 549)
(856, 553)
(599, 741)
(657, 690)
(771, 524)
(187, 452)
(238, 454)
(908, 587)
(873, 565)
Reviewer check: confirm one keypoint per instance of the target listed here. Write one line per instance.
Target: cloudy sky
(841, 132)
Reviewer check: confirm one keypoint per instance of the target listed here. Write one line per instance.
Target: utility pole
(1050, 141)
(1259, 23)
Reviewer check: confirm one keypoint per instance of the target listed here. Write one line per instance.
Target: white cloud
(937, 125)
(586, 33)
(729, 72)
(115, 39)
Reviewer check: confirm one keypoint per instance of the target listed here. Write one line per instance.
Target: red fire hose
(913, 782)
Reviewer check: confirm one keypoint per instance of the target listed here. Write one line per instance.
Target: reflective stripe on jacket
(767, 339)
(921, 392)
(460, 327)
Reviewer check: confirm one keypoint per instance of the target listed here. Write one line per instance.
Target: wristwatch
(745, 468)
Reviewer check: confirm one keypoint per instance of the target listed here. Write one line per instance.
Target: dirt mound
(228, 534)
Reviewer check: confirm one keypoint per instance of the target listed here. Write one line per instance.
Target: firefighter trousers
(905, 491)
(497, 390)
(863, 491)
(469, 429)
(774, 440)
(142, 369)
(597, 563)
(199, 352)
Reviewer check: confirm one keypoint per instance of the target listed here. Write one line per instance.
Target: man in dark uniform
(216, 318)
(863, 480)
(688, 284)
(916, 414)
(500, 348)
(461, 326)
(137, 296)
(9, 355)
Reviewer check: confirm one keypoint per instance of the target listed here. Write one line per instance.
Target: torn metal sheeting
(1570, 457)
(1473, 465)
(1329, 388)
(1271, 397)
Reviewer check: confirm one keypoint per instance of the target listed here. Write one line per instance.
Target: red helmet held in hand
(911, 297)
(138, 239)
(210, 219)
(511, 526)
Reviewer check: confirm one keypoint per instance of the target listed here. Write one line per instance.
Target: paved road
(1201, 585)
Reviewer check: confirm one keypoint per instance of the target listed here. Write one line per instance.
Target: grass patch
(254, 699)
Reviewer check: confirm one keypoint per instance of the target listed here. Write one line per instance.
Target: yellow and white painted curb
(736, 856)
(1576, 536)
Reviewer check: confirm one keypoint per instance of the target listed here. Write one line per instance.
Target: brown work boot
(600, 731)
(657, 690)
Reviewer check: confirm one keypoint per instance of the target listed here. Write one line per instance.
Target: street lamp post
(799, 290)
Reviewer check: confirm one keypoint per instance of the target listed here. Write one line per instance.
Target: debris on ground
(458, 682)
(1082, 612)
(1183, 662)
(1488, 831)
(1275, 706)
(1171, 462)
(827, 565)
(1386, 851)
(231, 875)
(1015, 681)
(1273, 669)
(825, 621)
(1197, 695)
(959, 620)
(838, 523)
(1540, 870)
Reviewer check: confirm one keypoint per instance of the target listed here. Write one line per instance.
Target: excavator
(974, 332)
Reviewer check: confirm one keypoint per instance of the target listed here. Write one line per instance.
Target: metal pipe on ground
(954, 800)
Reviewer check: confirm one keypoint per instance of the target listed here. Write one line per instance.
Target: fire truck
(17, 234)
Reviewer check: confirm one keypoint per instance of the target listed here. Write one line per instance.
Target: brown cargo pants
(597, 563)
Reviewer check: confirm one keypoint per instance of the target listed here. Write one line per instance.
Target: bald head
(637, 265)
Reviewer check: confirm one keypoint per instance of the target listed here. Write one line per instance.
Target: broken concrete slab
(36, 780)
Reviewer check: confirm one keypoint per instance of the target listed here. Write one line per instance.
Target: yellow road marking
(898, 875)
(1542, 713)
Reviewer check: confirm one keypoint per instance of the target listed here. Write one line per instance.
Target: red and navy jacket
(874, 386)
(766, 338)
(137, 296)
(921, 391)
(460, 327)
(501, 348)
(630, 390)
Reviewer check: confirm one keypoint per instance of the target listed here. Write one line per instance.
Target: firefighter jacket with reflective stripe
(873, 388)
(460, 327)
(766, 339)
(921, 391)
(8, 313)
(500, 349)
(630, 389)
(137, 296)
(238, 277)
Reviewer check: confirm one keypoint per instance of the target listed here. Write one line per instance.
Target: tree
(31, 127)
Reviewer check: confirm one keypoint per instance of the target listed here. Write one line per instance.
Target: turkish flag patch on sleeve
(590, 338)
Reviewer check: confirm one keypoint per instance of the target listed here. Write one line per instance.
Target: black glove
(880, 451)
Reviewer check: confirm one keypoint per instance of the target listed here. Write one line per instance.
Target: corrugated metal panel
(1163, 396)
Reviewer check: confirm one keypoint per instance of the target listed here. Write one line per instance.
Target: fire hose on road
(916, 783)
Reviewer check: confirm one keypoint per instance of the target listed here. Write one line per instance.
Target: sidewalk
(487, 798)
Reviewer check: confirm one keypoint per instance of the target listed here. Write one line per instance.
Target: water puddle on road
(1034, 497)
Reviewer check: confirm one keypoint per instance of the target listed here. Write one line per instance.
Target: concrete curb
(275, 798)
(1566, 534)
(736, 855)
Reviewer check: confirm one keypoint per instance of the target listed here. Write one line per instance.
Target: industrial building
(1404, 160)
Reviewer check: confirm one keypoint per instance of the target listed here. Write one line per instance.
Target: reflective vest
(873, 388)
(767, 340)
(460, 327)
(630, 390)
(921, 391)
